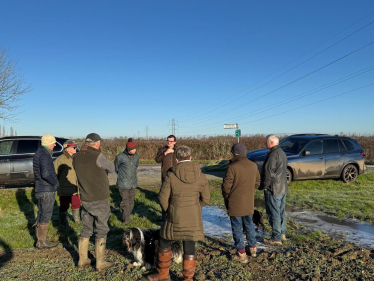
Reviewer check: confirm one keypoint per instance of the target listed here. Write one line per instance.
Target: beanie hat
(48, 139)
(130, 145)
(93, 137)
(239, 148)
(69, 143)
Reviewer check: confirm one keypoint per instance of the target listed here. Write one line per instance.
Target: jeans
(188, 246)
(46, 200)
(275, 210)
(66, 200)
(127, 203)
(237, 231)
(95, 217)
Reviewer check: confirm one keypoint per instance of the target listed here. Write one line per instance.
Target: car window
(348, 145)
(5, 147)
(27, 146)
(333, 146)
(293, 145)
(57, 148)
(315, 147)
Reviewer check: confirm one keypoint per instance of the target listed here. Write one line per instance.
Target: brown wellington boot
(41, 234)
(101, 264)
(164, 262)
(189, 266)
(84, 261)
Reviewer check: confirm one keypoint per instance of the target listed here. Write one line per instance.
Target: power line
(287, 111)
(291, 99)
(287, 84)
(198, 117)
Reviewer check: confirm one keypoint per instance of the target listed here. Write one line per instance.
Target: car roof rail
(312, 134)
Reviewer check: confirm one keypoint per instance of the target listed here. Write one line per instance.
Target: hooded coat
(183, 193)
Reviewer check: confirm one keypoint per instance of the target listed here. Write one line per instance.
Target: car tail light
(363, 154)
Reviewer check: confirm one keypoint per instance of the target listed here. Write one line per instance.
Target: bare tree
(4, 132)
(12, 86)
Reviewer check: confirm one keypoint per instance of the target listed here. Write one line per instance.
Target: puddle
(217, 224)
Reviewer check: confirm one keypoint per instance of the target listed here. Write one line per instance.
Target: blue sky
(115, 67)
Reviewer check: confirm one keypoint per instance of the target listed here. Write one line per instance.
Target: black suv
(318, 156)
(16, 154)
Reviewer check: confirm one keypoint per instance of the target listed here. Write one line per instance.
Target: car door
(335, 157)
(22, 161)
(311, 162)
(6, 148)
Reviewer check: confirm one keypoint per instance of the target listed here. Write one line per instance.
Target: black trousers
(188, 246)
(127, 203)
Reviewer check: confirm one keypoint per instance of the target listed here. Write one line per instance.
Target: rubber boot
(41, 234)
(76, 215)
(84, 261)
(164, 262)
(189, 266)
(101, 264)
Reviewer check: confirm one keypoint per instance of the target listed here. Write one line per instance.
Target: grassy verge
(306, 256)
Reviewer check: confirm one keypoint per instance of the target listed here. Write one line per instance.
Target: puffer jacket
(126, 166)
(274, 171)
(183, 193)
(44, 171)
(67, 178)
(239, 185)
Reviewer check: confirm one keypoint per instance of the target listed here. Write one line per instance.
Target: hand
(170, 150)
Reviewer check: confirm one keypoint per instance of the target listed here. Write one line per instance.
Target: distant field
(206, 148)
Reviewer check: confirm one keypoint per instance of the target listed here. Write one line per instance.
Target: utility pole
(138, 134)
(173, 124)
(146, 132)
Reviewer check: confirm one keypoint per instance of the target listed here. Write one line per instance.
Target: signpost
(238, 132)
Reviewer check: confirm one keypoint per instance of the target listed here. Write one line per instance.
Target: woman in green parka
(182, 195)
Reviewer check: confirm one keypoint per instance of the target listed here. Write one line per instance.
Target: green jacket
(126, 166)
(66, 175)
(183, 193)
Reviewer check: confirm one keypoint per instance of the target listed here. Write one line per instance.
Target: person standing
(166, 156)
(183, 193)
(238, 190)
(126, 164)
(67, 178)
(46, 184)
(274, 184)
(92, 168)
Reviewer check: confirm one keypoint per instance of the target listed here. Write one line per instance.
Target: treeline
(5, 133)
(206, 148)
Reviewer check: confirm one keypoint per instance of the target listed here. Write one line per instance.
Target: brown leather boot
(101, 264)
(189, 266)
(41, 234)
(84, 261)
(164, 262)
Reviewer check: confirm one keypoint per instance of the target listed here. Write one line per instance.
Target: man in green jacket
(67, 179)
(92, 168)
(126, 164)
(238, 189)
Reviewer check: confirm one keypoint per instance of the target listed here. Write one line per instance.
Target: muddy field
(309, 254)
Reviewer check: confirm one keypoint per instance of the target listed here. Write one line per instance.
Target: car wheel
(289, 176)
(349, 173)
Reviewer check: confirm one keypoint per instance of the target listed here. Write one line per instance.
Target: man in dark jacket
(126, 164)
(274, 183)
(238, 189)
(92, 168)
(166, 156)
(46, 184)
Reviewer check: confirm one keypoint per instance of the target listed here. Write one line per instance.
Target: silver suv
(16, 156)
(317, 156)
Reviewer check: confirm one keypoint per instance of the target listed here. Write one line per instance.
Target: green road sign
(238, 133)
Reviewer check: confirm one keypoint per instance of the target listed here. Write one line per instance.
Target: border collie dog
(143, 244)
